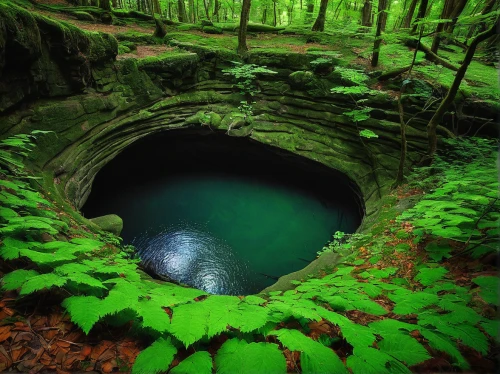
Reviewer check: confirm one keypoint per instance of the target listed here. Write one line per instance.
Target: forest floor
(352, 47)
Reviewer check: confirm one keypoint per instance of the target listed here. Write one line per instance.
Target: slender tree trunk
(105, 5)
(115, 4)
(457, 10)
(309, 12)
(169, 10)
(274, 14)
(205, 5)
(452, 92)
(264, 16)
(242, 32)
(319, 25)
(191, 11)
(421, 14)
(409, 16)
(447, 8)
(386, 14)
(335, 14)
(181, 11)
(382, 4)
(366, 15)
(216, 10)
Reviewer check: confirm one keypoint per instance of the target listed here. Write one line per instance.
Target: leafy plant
(103, 283)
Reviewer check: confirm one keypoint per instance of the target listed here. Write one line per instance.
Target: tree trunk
(458, 7)
(319, 25)
(216, 10)
(242, 32)
(160, 30)
(192, 17)
(274, 14)
(335, 14)
(308, 18)
(452, 92)
(264, 16)
(421, 14)
(409, 16)
(105, 5)
(366, 15)
(181, 11)
(386, 14)
(205, 5)
(115, 4)
(445, 13)
(382, 4)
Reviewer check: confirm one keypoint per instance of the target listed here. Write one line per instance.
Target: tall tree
(452, 92)
(105, 5)
(242, 32)
(445, 14)
(381, 18)
(458, 7)
(181, 11)
(422, 9)
(409, 15)
(366, 14)
(319, 25)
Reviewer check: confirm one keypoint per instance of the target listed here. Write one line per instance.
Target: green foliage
(369, 134)
(465, 205)
(359, 115)
(198, 363)
(314, 357)
(156, 358)
(104, 283)
(245, 76)
(237, 356)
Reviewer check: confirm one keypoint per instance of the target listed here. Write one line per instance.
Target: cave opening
(226, 215)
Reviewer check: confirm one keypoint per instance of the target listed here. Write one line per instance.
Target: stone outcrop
(56, 77)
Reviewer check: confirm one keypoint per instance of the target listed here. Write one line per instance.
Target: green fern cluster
(465, 206)
(111, 288)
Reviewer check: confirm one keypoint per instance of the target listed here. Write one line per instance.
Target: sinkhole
(222, 214)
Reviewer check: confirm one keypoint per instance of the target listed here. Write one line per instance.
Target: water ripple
(193, 256)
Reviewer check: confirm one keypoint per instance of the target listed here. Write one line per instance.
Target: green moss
(169, 61)
(138, 38)
(83, 16)
(212, 30)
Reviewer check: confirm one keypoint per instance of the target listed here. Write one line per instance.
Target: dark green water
(219, 214)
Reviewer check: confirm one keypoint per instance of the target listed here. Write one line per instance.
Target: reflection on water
(219, 214)
(196, 258)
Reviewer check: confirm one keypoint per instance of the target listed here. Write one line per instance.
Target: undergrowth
(378, 318)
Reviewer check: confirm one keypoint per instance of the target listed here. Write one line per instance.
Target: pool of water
(224, 215)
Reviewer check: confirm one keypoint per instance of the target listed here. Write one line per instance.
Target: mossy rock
(140, 15)
(83, 16)
(110, 223)
(205, 22)
(173, 63)
(301, 79)
(137, 37)
(122, 49)
(212, 30)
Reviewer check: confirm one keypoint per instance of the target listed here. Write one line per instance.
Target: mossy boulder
(60, 63)
(211, 30)
(83, 16)
(110, 223)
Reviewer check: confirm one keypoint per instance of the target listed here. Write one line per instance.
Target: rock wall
(70, 83)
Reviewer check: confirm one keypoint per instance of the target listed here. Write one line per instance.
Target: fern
(365, 360)
(237, 356)
(404, 348)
